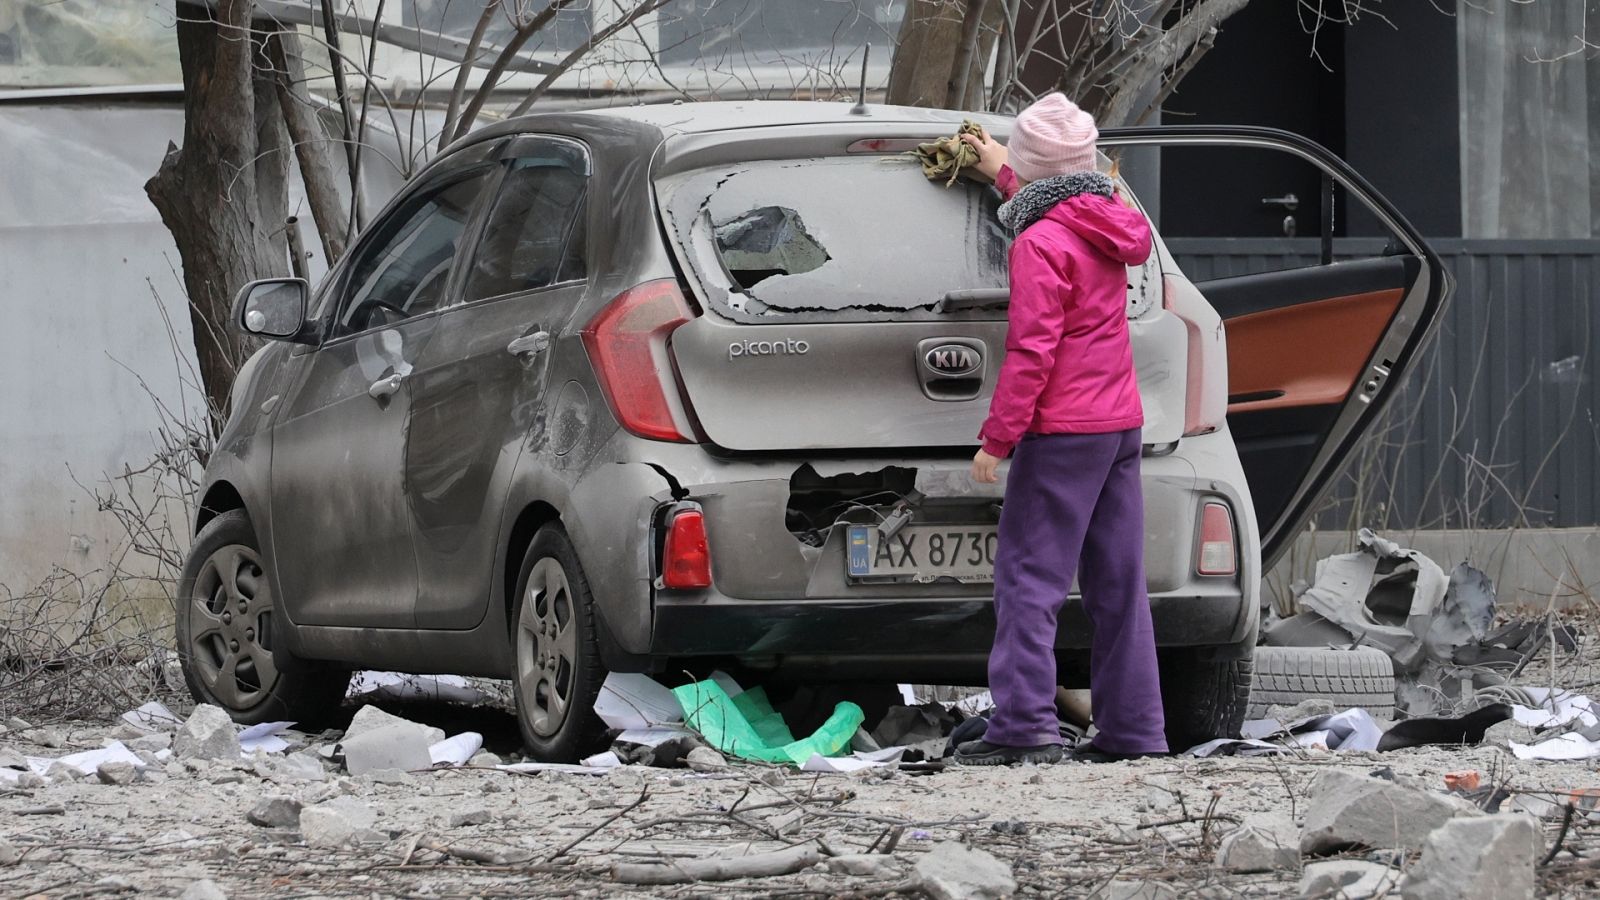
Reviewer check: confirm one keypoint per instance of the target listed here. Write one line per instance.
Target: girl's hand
(985, 468)
(991, 155)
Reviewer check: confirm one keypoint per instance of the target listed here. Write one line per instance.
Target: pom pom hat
(1052, 137)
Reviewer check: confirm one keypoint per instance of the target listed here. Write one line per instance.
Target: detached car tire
(1285, 676)
(1204, 694)
(227, 607)
(559, 671)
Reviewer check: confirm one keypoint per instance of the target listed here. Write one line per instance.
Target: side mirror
(273, 308)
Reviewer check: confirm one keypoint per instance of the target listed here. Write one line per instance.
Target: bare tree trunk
(206, 192)
(943, 53)
(272, 156)
(311, 143)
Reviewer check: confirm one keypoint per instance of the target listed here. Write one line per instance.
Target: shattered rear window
(860, 237)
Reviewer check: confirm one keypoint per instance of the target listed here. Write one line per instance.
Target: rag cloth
(943, 160)
(1074, 502)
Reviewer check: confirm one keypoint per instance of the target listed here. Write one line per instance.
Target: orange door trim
(1309, 354)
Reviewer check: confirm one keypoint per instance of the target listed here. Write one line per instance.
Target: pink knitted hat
(1052, 137)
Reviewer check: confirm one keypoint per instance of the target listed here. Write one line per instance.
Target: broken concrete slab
(1348, 879)
(1251, 849)
(485, 760)
(275, 812)
(371, 718)
(402, 745)
(475, 816)
(45, 737)
(1485, 858)
(296, 768)
(951, 871)
(1349, 810)
(116, 772)
(337, 822)
(867, 865)
(208, 733)
(705, 759)
(204, 889)
(151, 743)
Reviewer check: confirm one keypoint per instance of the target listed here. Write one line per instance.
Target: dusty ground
(1065, 830)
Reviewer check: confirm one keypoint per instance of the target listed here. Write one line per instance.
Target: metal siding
(1489, 430)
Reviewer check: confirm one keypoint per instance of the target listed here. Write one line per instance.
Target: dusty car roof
(729, 114)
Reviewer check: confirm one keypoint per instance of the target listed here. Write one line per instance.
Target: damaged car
(668, 388)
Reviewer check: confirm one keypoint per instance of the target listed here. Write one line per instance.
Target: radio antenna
(860, 109)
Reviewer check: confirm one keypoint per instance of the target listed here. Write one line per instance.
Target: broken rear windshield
(857, 237)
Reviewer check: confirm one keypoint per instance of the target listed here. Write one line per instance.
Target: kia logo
(953, 360)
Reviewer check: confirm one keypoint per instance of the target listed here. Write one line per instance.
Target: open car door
(1316, 344)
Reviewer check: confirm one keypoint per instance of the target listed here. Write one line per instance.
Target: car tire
(1284, 676)
(558, 666)
(1204, 694)
(224, 625)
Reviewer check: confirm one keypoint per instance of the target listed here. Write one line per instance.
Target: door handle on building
(529, 344)
(384, 388)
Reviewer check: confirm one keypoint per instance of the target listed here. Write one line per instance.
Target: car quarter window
(533, 235)
(405, 271)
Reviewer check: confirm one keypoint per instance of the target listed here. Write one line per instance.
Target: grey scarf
(1030, 204)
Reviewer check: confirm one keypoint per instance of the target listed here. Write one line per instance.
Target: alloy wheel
(547, 647)
(230, 627)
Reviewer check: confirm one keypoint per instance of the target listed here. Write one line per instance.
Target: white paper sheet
(653, 737)
(606, 760)
(1564, 707)
(153, 716)
(855, 762)
(263, 737)
(636, 701)
(1353, 729)
(400, 686)
(1567, 746)
(86, 762)
(456, 750)
(1242, 748)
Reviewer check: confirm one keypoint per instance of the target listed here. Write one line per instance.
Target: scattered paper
(607, 760)
(400, 686)
(636, 701)
(263, 737)
(153, 716)
(1353, 729)
(1233, 746)
(907, 694)
(455, 751)
(1560, 709)
(975, 705)
(653, 737)
(855, 762)
(86, 762)
(1567, 746)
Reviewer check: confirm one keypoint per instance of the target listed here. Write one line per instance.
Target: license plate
(924, 553)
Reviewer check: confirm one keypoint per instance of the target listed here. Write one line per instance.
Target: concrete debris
(275, 812)
(1486, 858)
(11, 759)
(207, 734)
(869, 865)
(1251, 849)
(1347, 879)
(371, 718)
(389, 776)
(475, 816)
(152, 743)
(951, 871)
(116, 772)
(9, 854)
(205, 889)
(338, 822)
(485, 759)
(30, 781)
(61, 771)
(16, 724)
(296, 768)
(1117, 889)
(113, 884)
(1350, 810)
(45, 737)
(705, 759)
(401, 745)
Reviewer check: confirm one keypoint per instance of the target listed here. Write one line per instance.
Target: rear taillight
(686, 558)
(627, 343)
(1218, 553)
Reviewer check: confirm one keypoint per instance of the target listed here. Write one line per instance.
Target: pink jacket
(1069, 365)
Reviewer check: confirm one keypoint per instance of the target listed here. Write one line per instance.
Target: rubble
(152, 743)
(1486, 858)
(116, 772)
(705, 759)
(475, 816)
(9, 854)
(951, 871)
(338, 822)
(1347, 879)
(295, 768)
(275, 812)
(867, 865)
(1360, 811)
(1250, 849)
(208, 733)
(1118, 889)
(45, 737)
(204, 889)
(485, 759)
(371, 718)
(401, 745)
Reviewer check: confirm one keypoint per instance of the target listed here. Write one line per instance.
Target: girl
(1067, 404)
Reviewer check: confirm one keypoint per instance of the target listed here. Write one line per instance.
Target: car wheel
(224, 627)
(559, 672)
(1204, 693)
(1284, 676)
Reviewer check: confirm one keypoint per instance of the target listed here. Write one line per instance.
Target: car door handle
(385, 388)
(529, 344)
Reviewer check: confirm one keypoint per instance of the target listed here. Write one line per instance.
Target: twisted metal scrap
(945, 158)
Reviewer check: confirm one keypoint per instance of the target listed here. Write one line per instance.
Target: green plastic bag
(748, 727)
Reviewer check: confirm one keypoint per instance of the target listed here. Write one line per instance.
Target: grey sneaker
(983, 753)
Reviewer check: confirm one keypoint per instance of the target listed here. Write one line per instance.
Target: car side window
(534, 227)
(406, 270)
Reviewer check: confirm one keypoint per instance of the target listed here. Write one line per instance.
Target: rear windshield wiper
(974, 298)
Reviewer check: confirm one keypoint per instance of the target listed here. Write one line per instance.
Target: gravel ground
(1065, 830)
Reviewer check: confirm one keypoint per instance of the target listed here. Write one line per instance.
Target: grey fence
(1494, 426)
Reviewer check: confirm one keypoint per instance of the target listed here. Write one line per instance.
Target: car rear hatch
(849, 303)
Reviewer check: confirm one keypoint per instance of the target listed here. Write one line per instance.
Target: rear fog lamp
(1218, 555)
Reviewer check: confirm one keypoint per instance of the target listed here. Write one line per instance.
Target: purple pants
(1074, 501)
